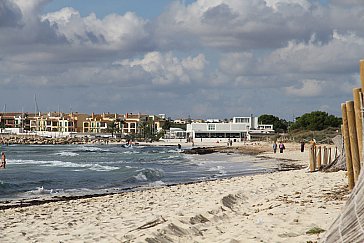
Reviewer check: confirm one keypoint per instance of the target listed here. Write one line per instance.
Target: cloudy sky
(203, 58)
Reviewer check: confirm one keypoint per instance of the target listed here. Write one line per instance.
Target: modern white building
(175, 133)
(240, 129)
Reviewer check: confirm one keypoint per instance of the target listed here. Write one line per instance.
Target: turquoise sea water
(36, 170)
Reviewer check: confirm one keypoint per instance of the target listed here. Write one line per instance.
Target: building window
(242, 120)
(201, 135)
(211, 127)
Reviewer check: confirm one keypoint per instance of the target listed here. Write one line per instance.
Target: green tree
(112, 128)
(147, 130)
(279, 125)
(167, 125)
(316, 121)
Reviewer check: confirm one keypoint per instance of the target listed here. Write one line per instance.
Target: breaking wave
(146, 175)
(67, 153)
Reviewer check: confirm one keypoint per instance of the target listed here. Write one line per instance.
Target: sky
(198, 59)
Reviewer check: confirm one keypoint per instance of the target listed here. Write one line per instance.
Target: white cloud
(237, 63)
(276, 4)
(309, 88)
(215, 53)
(338, 55)
(117, 31)
(10, 14)
(30, 8)
(168, 69)
(236, 24)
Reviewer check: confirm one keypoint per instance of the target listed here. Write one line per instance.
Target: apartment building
(58, 122)
(102, 123)
(131, 123)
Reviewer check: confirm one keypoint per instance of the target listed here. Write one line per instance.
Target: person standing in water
(3, 160)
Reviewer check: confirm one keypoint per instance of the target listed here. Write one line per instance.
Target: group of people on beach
(3, 161)
(280, 146)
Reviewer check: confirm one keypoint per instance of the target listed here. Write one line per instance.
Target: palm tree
(112, 127)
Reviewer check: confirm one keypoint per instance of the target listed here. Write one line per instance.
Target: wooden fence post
(345, 134)
(358, 120)
(353, 139)
(315, 156)
(319, 157)
(361, 102)
(325, 156)
(311, 155)
(329, 160)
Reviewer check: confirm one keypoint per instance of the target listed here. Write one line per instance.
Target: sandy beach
(274, 207)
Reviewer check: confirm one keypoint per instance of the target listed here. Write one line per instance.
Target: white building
(240, 129)
(179, 121)
(175, 133)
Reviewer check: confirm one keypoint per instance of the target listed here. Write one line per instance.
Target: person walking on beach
(274, 147)
(3, 160)
(302, 146)
(281, 147)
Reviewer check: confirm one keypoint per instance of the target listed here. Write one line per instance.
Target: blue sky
(146, 8)
(203, 58)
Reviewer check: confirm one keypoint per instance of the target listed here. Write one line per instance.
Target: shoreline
(283, 165)
(270, 207)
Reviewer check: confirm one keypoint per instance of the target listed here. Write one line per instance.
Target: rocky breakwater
(202, 150)
(243, 149)
(44, 140)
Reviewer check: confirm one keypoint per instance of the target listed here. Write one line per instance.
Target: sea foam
(67, 153)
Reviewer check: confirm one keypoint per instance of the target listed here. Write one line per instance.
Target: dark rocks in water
(200, 151)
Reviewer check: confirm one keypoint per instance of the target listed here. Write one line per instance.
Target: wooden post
(319, 157)
(358, 120)
(315, 157)
(312, 165)
(353, 139)
(361, 101)
(345, 134)
(325, 156)
(329, 160)
(335, 152)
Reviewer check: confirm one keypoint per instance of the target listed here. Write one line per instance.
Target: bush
(316, 121)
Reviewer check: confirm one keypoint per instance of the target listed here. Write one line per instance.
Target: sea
(35, 171)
